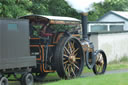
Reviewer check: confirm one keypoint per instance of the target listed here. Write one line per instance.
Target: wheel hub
(100, 63)
(72, 58)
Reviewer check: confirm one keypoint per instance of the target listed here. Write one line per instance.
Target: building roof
(53, 17)
(105, 22)
(121, 14)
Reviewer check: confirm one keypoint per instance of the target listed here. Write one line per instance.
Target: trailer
(14, 51)
(60, 45)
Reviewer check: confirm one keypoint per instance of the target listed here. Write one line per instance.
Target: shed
(115, 16)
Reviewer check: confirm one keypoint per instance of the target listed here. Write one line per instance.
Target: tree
(40, 7)
(14, 8)
(108, 5)
(61, 8)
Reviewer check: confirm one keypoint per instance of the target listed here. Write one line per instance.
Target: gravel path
(107, 72)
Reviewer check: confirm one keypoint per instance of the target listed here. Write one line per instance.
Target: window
(12, 27)
(99, 28)
(116, 28)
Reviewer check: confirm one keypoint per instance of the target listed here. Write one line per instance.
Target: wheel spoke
(76, 62)
(98, 57)
(75, 51)
(66, 62)
(67, 50)
(75, 66)
(69, 46)
(101, 59)
(99, 68)
(72, 45)
(75, 54)
(65, 67)
(68, 70)
(73, 71)
(78, 58)
(66, 55)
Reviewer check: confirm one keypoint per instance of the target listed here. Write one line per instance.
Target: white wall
(114, 18)
(115, 45)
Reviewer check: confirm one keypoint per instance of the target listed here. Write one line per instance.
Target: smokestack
(84, 25)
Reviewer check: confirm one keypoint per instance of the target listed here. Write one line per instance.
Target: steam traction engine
(58, 46)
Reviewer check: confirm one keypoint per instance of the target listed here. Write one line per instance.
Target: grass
(124, 59)
(110, 79)
(114, 65)
(118, 64)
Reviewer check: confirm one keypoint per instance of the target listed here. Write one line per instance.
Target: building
(110, 33)
(106, 26)
(113, 21)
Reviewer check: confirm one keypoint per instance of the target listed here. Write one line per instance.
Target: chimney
(84, 25)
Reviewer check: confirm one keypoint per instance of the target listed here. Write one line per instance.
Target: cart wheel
(39, 76)
(3, 81)
(69, 58)
(101, 62)
(27, 79)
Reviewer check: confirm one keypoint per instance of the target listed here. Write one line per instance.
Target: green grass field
(114, 65)
(110, 79)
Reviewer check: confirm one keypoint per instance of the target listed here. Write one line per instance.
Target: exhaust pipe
(84, 25)
(89, 55)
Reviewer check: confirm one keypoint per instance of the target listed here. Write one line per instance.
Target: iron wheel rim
(101, 63)
(69, 64)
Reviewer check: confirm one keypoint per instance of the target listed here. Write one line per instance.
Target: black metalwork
(84, 26)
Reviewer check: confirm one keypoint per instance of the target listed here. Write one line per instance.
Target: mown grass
(113, 65)
(118, 64)
(110, 79)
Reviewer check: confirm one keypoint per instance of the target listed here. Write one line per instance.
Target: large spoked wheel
(39, 76)
(27, 79)
(101, 62)
(69, 58)
(3, 81)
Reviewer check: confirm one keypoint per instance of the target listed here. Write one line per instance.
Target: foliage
(40, 7)
(61, 8)
(16, 8)
(108, 5)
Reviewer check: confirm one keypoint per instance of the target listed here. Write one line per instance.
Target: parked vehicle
(35, 45)
(58, 45)
(14, 51)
